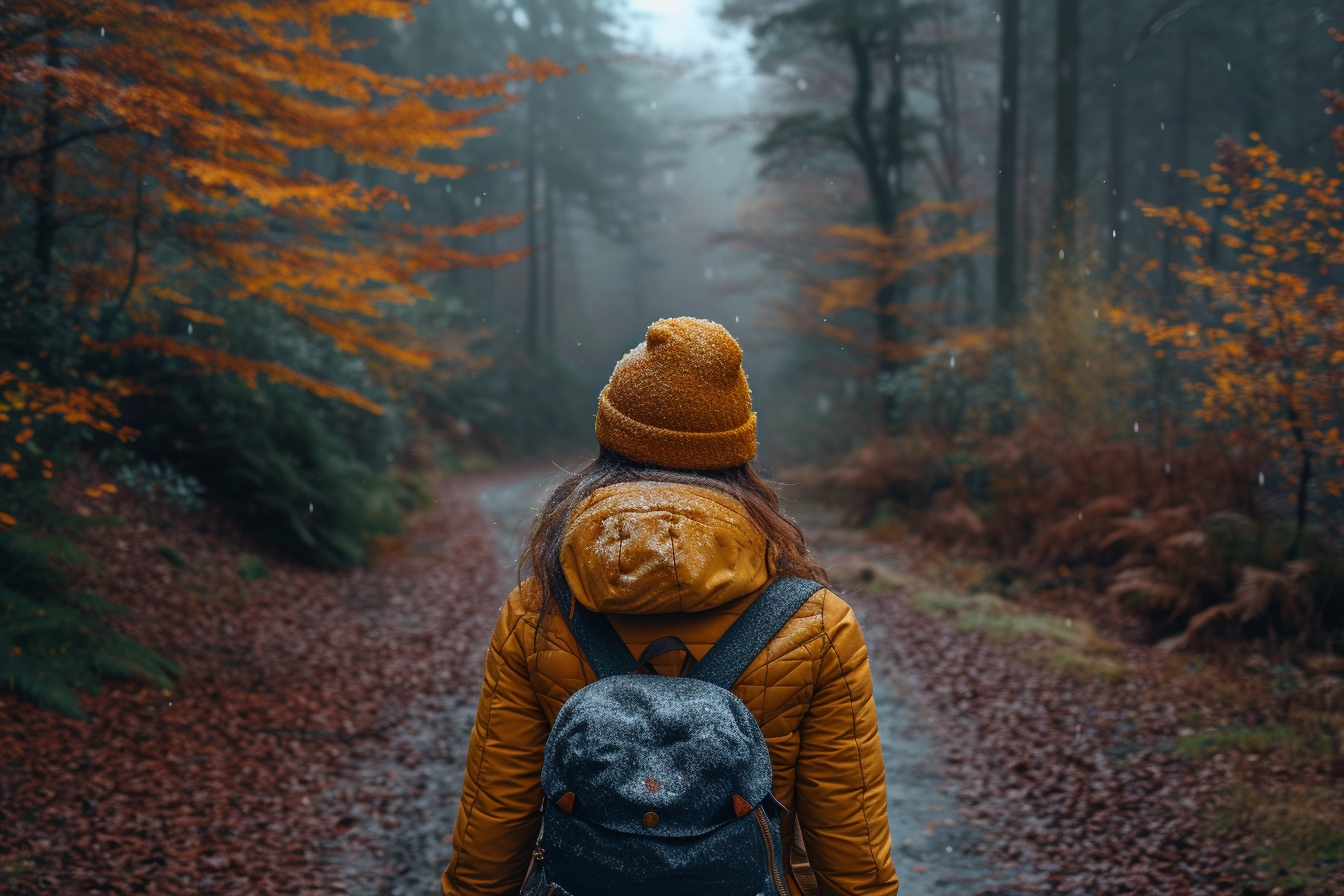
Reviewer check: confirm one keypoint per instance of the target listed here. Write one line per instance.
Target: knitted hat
(680, 399)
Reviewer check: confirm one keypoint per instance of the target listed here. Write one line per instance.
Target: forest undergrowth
(1095, 765)
(289, 677)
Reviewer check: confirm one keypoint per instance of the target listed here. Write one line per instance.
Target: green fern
(54, 641)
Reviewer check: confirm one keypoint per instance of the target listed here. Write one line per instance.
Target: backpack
(658, 785)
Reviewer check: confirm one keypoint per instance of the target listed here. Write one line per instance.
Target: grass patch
(1256, 740)
(1001, 620)
(1071, 647)
(173, 556)
(1299, 827)
(253, 569)
(1077, 662)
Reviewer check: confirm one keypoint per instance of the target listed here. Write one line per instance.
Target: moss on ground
(1065, 645)
(1255, 740)
(1299, 830)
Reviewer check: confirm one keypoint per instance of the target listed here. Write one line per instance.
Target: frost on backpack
(657, 785)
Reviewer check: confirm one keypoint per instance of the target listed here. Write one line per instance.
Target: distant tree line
(982, 203)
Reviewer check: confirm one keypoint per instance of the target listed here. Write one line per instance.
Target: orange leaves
(351, 339)
(24, 400)
(923, 237)
(213, 361)
(916, 240)
(518, 69)
(77, 406)
(197, 316)
(1277, 361)
(204, 117)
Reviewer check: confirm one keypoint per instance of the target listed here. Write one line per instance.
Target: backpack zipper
(538, 851)
(770, 851)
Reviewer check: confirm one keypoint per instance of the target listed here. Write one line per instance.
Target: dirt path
(933, 856)
(1005, 776)
(934, 850)
(317, 741)
(405, 812)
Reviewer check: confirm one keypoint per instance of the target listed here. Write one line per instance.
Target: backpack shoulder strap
(606, 652)
(725, 662)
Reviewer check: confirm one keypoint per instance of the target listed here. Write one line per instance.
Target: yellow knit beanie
(680, 399)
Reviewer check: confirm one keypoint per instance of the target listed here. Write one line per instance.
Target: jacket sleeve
(841, 792)
(498, 818)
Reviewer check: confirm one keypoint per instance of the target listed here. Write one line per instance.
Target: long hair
(783, 537)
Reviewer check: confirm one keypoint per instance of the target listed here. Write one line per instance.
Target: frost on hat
(680, 399)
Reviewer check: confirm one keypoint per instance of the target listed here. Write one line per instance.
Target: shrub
(54, 640)
(288, 474)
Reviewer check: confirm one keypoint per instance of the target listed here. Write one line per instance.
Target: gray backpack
(660, 786)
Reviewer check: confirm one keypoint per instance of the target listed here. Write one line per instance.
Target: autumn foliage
(1129, 474)
(1264, 330)
(202, 236)
(156, 171)
(915, 250)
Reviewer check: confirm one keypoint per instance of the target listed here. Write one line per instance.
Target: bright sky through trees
(690, 28)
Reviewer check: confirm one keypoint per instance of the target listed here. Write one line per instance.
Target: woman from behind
(670, 534)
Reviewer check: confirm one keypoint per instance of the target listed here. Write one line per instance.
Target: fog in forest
(304, 302)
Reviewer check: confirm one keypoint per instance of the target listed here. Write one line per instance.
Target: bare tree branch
(1166, 13)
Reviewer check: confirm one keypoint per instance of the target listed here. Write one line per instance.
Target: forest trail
(317, 742)
(932, 855)
(919, 802)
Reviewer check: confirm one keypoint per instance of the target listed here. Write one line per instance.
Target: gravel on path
(932, 845)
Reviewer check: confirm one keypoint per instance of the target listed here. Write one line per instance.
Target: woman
(671, 532)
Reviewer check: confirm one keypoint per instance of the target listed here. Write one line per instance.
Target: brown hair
(784, 539)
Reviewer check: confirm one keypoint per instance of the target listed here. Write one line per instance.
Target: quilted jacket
(678, 560)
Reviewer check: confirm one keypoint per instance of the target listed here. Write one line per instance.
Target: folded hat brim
(673, 448)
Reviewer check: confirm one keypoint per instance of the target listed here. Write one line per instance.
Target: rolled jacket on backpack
(684, 561)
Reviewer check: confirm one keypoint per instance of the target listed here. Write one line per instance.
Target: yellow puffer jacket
(685, 561)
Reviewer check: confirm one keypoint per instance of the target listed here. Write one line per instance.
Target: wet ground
(931, 843)
(317, 745)
(934, 849)
(412, 830)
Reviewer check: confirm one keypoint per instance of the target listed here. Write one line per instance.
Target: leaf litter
(280, 765)
(316, 741)
(1112, 768)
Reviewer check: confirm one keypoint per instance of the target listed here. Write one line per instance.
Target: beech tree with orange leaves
(1265, 326)
(914, 249)
(149, 182)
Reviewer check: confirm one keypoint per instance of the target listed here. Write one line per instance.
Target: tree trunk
(1068, 35)
(132, 275)
(876, 174)
(45, 212)
(952, 182)
(1256, 114)
(548, 210)
(1115, 164)
(1176, 185)
(881, 162)
(1303, 481)
(532, 327)
(1029, 221)
(636, 247)
(891, 180)
(1303, 484)
(1176, 196)
(1006, 301)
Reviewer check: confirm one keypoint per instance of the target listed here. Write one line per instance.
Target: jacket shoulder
(840, 627)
